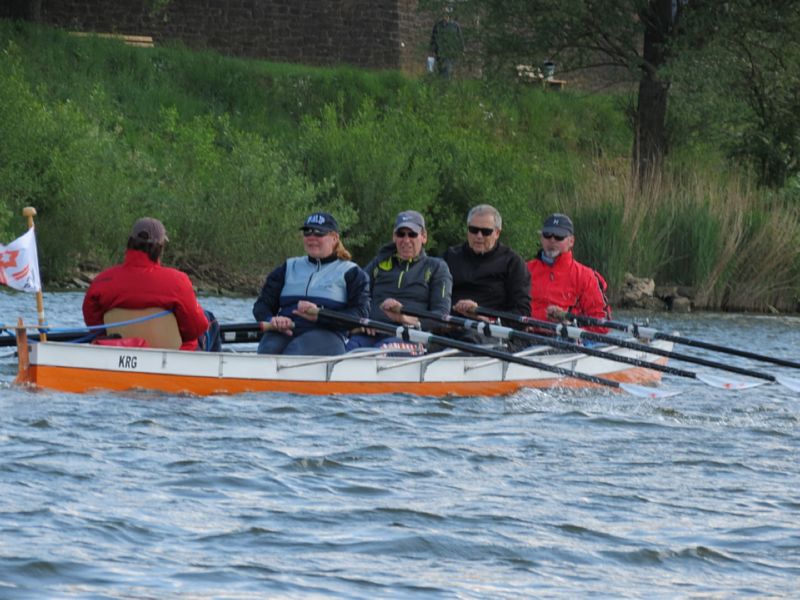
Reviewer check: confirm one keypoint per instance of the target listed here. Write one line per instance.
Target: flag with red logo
(19, 264)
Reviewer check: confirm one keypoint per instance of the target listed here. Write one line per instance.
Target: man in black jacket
(447, 43)
(485, 272)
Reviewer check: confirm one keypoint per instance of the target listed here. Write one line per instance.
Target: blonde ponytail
(342, 253)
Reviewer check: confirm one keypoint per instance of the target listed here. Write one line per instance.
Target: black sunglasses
(486, 231)
(553, 236)
(308, 232)
(406, 232)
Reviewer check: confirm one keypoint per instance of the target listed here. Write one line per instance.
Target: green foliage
(229, 198)
(573, 32)
(599, 240)
(694, 241)
(5, 224)
(57, 160)
(740, 86)
(232, 154)
(377, 163)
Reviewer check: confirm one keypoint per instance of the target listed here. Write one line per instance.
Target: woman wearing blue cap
(324, 277)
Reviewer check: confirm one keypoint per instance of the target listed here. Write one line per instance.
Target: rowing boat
(73, 367)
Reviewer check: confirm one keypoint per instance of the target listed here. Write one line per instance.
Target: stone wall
(381, 34)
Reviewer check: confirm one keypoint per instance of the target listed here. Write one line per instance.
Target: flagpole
(29, 212)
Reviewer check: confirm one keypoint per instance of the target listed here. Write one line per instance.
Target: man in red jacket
(141, 282)
(559, 282)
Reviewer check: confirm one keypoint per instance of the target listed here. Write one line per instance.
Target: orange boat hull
(84, 380)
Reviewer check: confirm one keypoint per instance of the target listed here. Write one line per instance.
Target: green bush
(376, 163)
(231, 200)
(55, 159)
(231, 154)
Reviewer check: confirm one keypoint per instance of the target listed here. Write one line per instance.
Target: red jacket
(141, 283)
(569, 285)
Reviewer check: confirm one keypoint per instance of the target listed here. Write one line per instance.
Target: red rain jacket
(141, 283)
(569, 285)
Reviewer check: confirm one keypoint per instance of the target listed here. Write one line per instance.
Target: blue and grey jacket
(332, 283)
(422, 283)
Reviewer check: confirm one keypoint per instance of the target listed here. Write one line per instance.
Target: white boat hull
(82, 367)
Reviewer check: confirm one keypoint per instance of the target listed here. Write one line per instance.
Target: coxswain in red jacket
(561, 283)
(141, 282)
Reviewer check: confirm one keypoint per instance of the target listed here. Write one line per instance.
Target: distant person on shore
(559, 283)
(325, 276)
(447, 43)
(402, 274)
(485, 272)
(141, 282)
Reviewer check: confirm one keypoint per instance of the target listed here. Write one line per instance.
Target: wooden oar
(232, 333)
(424, 337)
(507, 333)
(570, 332)
(648, 333)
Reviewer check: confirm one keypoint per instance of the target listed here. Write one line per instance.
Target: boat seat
(160, 332)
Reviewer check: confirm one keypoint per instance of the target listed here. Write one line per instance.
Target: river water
(540, 494)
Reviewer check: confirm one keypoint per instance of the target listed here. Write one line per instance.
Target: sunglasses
(553, 236)
(486, 231)
(308, 232)
(406, 233)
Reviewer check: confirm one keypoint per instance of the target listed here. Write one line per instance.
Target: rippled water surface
(540, 494)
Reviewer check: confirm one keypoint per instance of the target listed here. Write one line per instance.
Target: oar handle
(575, 332)
(231, 333)
(415, 335)
(498, 331)
(635, 329)
(51, 337)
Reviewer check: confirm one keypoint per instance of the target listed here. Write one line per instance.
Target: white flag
(19, 264)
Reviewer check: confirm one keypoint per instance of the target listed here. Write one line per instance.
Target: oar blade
(644, 391)
(727, 384)
(793, 383)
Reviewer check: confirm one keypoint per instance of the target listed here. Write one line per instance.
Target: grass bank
(231, 154)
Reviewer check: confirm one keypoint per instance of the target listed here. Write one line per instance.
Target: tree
(741, 58)
(745, 82)
(633, 36)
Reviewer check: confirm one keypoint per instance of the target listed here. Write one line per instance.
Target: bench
(534, 75)
(141, 41)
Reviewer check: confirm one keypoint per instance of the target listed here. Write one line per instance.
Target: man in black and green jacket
(402, 274)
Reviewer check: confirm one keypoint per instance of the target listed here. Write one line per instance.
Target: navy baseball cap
(558, 224)
(321, 221)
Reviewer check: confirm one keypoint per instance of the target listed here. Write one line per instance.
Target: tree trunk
(650, 139)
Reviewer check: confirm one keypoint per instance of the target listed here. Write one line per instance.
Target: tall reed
(706, 231)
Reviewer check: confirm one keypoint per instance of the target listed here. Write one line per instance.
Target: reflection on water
(146, 495)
